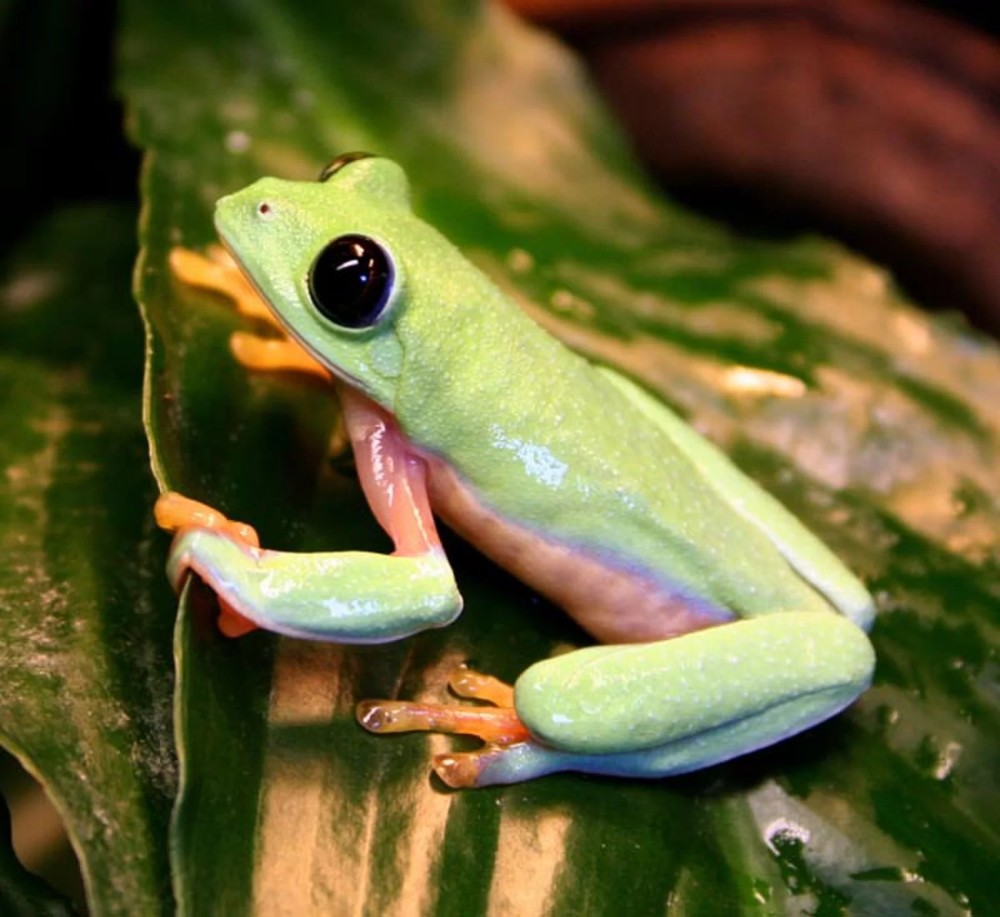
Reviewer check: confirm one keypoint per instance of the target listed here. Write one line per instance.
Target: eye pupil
(350, 281)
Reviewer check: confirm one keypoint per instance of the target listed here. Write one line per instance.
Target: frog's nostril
(264, 208)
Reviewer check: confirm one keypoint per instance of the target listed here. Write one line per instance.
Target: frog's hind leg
(497, 724)
(468, 683)
(679, 705)
(655, 709)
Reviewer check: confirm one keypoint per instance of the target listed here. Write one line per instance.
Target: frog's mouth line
(290, 332)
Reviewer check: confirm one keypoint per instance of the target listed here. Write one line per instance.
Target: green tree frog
(724, 625)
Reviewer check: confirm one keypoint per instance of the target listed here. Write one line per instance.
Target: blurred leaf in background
(86, 668)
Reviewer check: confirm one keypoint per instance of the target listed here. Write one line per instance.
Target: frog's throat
(615, 604)
(393, 477)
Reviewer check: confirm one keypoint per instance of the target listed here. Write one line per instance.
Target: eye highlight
(350, 281)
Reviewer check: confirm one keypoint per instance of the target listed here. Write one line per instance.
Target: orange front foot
(218, 271)
(175, 512)
(498, 726)
(270, 355)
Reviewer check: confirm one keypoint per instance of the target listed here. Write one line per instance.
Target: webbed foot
(497, 725)
(218, 272)
(177, 513)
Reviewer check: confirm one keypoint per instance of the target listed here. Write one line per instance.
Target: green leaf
(84, 620)
(877, 425)
(21, 892)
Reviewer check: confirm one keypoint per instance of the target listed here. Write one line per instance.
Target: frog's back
(543, 457)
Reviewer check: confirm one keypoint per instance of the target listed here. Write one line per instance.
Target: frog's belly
(614, 603)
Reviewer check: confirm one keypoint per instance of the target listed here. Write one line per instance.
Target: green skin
(596, 466)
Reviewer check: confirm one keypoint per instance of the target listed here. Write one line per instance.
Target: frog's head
(324, 256)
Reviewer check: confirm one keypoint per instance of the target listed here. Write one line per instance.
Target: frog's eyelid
(344, 159)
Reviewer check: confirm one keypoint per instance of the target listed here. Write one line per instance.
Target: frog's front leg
(649, 710)
(349, 596)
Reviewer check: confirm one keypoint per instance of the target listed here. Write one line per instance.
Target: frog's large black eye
(344, 159)
(350, 281)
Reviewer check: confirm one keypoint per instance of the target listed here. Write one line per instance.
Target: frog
(721, 623)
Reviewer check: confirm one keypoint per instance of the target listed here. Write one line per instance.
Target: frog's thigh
(685, 703)
(350, 596)
(803, 551)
